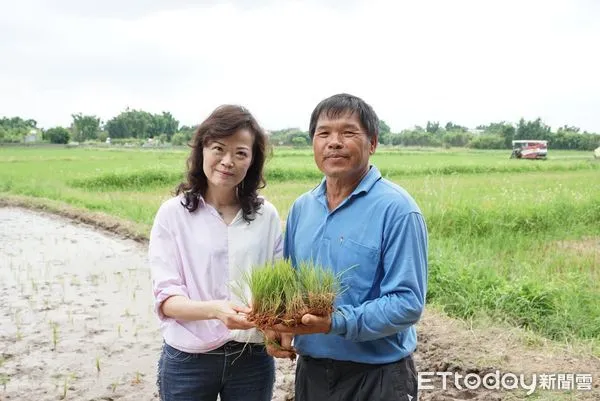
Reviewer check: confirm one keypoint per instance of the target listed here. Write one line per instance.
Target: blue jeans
(235, 371)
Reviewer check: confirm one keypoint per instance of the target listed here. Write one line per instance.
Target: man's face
(341, 146)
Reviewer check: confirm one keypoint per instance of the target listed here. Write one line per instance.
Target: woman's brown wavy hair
(225, 121)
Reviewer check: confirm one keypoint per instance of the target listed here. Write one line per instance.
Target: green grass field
(507, 237)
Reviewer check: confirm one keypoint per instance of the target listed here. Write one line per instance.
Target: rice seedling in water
(54, 335)
(4, 379)
(65, 388)
(94, 278)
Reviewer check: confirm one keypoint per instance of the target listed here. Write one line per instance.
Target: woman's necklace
(223, 209)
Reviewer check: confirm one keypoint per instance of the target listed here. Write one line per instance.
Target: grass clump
(126, 180)
(319, 288)
(281, 294)
(268, 285)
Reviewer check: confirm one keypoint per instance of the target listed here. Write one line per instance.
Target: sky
(467, 61)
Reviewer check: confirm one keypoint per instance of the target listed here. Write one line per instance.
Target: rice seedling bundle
(281, 294)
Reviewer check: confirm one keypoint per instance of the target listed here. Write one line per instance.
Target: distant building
(32, 136)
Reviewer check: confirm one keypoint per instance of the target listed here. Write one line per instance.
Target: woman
(202, 240)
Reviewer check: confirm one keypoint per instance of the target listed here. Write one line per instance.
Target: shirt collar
(372, 176)
(201, 201)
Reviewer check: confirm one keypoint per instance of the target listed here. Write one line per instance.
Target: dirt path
(76, 320)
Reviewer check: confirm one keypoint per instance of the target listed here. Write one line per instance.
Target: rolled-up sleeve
(278, 248)
(278, 231)
(165, 265)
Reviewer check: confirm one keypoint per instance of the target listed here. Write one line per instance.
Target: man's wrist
(338, 323)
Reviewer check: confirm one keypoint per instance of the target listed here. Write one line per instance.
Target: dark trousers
(327, 379)
(234, 372)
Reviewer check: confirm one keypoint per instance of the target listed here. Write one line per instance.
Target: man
(359, 223)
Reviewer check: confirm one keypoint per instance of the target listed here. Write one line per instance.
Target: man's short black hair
(342, 103)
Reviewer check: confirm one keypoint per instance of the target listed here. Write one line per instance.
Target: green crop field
(514, 240)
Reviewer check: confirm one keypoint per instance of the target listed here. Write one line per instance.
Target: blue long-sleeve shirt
(378, 238)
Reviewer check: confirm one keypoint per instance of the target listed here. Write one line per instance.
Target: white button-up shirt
(200, 257)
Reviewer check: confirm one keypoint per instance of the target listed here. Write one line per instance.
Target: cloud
(470, 62)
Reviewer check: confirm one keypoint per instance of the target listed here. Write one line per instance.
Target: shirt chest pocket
(359, 264)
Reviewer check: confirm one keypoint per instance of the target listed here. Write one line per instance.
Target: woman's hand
(233, 316)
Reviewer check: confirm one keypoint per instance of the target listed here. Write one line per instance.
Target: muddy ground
(76, 323)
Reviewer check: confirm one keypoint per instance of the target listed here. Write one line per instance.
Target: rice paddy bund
(512, 240)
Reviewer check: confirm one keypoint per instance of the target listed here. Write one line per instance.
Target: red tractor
(529, 149)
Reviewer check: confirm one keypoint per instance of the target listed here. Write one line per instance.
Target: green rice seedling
(4, 379)
(54, 335)
(295, 305)
(267, 286)
(319, 287)
(75, 281)
(65, 388)
(98, 364)
(282, 295)
(67, 380)
(94, 278)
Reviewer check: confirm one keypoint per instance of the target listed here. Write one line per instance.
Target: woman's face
(226, 160)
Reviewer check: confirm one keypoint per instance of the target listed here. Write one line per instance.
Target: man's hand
(311, 324)
(234, 316)
(279, 345)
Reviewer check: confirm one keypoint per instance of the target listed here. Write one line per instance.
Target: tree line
(138, 126)
(497, 135)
